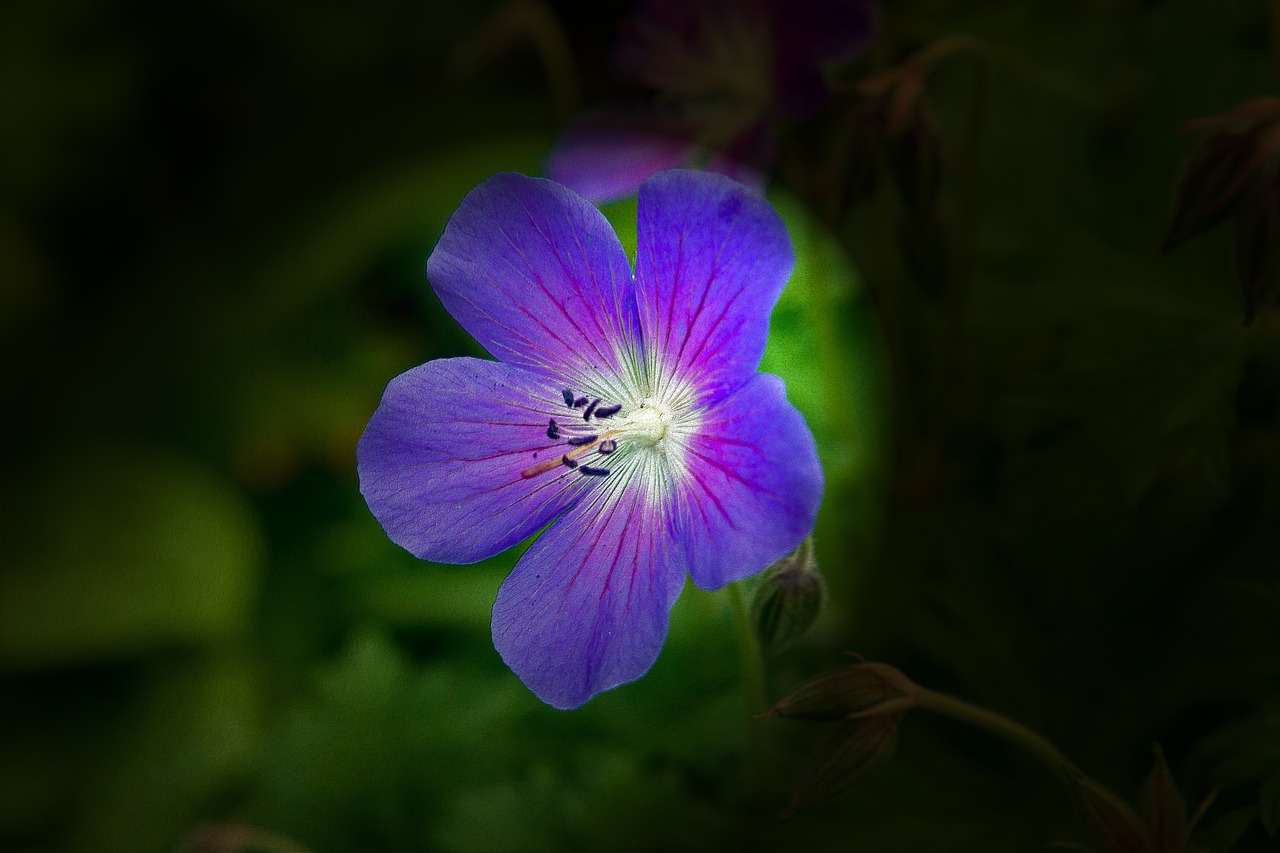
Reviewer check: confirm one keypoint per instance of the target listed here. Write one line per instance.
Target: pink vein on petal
(572, 279)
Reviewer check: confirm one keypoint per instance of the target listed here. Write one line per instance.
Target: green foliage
(181, 550)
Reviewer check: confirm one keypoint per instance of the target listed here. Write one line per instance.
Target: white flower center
(645, 426)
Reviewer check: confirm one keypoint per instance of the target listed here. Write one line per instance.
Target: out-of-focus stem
(997, 724)
(751, 664)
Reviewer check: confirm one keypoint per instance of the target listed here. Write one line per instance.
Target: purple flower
(722, 73)
(625, 414)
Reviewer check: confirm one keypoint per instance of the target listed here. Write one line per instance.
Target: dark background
(1053, 473)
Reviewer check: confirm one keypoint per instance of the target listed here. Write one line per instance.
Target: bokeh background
(1052, 451)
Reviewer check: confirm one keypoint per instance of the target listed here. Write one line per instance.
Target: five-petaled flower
(625, 414)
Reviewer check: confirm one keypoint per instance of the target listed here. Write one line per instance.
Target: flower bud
(1240, 146)
(1257, 246)
(857, 749)
(1163, 807)
(788, 599)
(1232, 173)
(1108, 820)
(859, 690)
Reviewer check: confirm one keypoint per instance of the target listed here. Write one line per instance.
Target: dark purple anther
(569, 463)
(593, 472)
(586, 416)
(608, 411)
(568, 397)
(581, 440)
(580, 402)
(553, 431)
(608, 446)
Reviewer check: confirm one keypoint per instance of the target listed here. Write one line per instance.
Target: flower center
(586, 431)
(646, 426)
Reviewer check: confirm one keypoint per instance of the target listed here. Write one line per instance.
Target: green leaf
(189, 733)
(141, 550)
(371, 761)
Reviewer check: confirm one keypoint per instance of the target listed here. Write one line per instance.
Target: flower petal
(711, 259)
(536, 275)
(440, 462)
(752, 485)
(604, 160)
(587, 606)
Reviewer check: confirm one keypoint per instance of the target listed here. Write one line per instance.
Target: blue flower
(624, 413)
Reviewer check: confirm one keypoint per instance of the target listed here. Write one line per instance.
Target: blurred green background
(1057, 495)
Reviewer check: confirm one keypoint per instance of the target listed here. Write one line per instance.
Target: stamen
(608, 411)
(586, 416)
(581, 440)
(568, 397)
(567, 459)
(593, 472)
(580, 402)
(608, 446)
(553, 431)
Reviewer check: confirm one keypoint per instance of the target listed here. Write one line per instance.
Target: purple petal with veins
(440, 460)
(712, 259)
(753, 487)
(536, 275)
(586, 607)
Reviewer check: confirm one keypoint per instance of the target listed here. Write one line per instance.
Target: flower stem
(751, 662)
(1000, 725)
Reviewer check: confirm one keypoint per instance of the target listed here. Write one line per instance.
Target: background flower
(721, 75)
